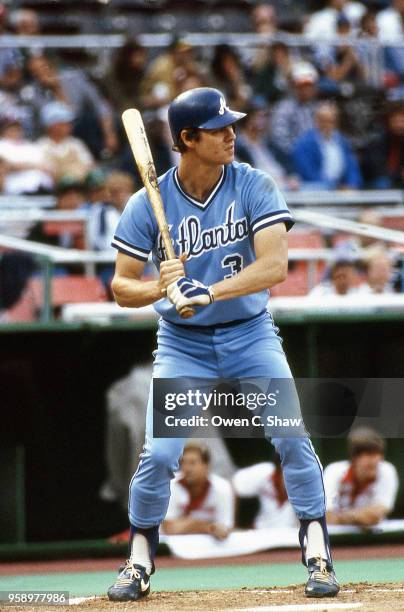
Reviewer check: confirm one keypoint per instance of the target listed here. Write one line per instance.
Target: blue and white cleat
(133, 583)
(322, 581)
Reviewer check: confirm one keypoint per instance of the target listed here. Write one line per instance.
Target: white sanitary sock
(140, 553)
(315, 541)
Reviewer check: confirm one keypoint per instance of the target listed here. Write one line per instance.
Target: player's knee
(164, 458)
(290, 448)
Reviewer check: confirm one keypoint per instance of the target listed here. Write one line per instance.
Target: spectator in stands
(25, 22)
(390, 21)
(63, 153)
(123, 81)
(323, 157)
(166, 73)
(94, 121)
(120, 186)
(379, 274)
(343, 280)
(264, 19)
(271, 79)
(265, 481)
(201, 502)
(323, 23)
(368, 25)
(367, 35)
(391, 29)
(103, 217)
(229, 74)
(341, 68)
(361, 491)
(69, 193)
(254, 146)
(15, 99)
(295, 114)
(28, 172)
(383, 161)
(69, 197)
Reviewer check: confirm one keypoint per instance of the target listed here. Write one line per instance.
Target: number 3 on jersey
(234, 262)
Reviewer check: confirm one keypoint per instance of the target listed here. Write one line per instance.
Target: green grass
(210, 578)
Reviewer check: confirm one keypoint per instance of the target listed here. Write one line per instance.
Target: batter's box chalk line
(309, 607)
(75, 601)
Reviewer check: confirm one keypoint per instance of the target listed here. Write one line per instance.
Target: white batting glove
(189, 292)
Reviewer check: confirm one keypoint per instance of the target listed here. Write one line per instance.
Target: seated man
(323, 157)
(379, 274)
(342, 280)
(200, 502)
(361, 491)
(265, 480)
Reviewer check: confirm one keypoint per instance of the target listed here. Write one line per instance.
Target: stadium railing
(371, 197)
(372, 51)
(48, 257)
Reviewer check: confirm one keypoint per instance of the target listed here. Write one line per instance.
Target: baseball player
(228, 223)
(265, 481)
(201, 501)
(363, 490)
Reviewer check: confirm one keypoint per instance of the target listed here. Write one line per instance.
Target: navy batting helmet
(202, 107)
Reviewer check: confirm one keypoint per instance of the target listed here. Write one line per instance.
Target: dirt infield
(372, 597)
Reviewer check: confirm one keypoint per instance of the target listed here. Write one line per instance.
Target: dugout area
(53, 381)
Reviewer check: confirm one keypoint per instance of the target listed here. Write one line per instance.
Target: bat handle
(187, 312)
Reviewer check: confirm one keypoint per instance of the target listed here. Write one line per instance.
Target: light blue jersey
(216, 234)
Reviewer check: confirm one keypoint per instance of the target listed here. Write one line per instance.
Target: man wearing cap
(229, 226)
(65, 154)
(295, 114)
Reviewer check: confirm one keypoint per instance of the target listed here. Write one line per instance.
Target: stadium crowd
(321, 114)
(326, 113)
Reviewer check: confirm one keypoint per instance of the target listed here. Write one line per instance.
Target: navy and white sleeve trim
(279, 216)
(130, 249)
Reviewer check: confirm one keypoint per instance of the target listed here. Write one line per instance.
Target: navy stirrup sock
(304, 525)
(152, 536)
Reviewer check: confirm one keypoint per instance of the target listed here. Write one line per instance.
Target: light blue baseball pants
(249, 349)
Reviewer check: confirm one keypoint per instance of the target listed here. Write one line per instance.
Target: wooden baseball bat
(136, 133)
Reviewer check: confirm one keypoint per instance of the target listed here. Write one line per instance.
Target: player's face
(365, 466)
(194, 470)
(216, 147)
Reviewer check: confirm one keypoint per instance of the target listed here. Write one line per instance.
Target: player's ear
(188, 138)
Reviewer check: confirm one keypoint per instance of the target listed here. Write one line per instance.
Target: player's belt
(211, 328)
